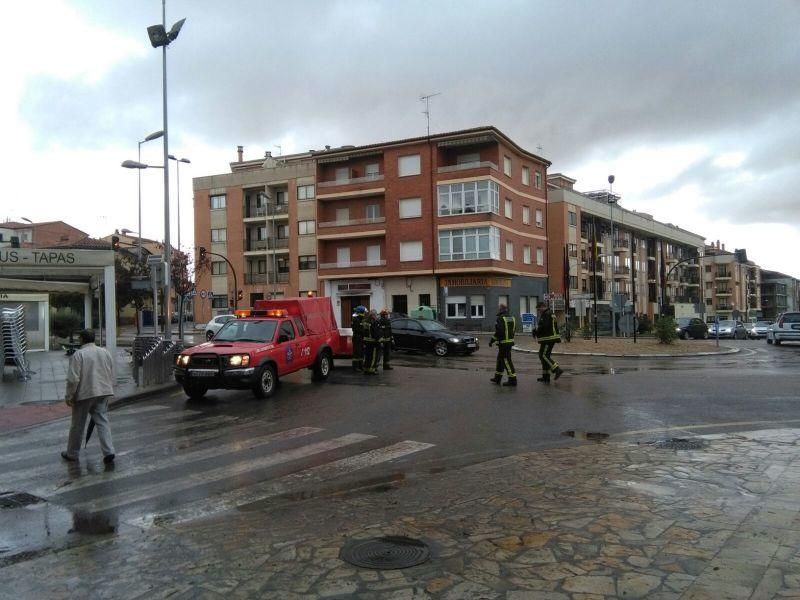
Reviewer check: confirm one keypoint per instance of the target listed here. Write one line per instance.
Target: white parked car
(215, 324)
(785, 329)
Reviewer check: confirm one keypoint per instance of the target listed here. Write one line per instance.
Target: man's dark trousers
(504, 362)
(545, 349)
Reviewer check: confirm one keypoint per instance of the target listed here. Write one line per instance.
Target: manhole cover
(17, 499)
(390, 552)
(585, 435)
(680, 444)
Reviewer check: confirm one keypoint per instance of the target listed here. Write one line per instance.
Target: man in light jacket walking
(90, 384)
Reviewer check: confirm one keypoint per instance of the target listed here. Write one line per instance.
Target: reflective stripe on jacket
(548, 328)
(504, 329)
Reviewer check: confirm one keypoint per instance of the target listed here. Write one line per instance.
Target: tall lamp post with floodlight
(161, 38)
(153, 136)
(612, 200)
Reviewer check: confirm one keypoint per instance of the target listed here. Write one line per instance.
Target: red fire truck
(273, 339)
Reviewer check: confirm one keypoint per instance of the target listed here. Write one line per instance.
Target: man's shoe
(69, 458)
(108, 458)
(496, 380)
(511, 382)
(559, 372)
(544, 378)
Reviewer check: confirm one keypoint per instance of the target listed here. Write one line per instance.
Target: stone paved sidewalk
(617, 519)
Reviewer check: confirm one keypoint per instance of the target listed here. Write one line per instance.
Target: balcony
(260, 278)
(351, 181)
(687, 299)
(268, 244)
(622, 271)
(621, 244)
(691, 281)
(722, 275)
(725, 307)
(724, 292)
(270, 210)
(350, 222)
(467, 166)
(353, 264)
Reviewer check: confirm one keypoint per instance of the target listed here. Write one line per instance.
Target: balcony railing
(349, 222)
(351, 180)
(255, 278)
(622, 270)
(723, 275)
(724, 306)
(268, 244)
(724, 292)
(621, 243)
(263, 211)
(466, 166)
(353, 264)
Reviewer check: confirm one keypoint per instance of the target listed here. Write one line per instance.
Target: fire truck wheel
(265, 385)
(322, 368)
(195, 392)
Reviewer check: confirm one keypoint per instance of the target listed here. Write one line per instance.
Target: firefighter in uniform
(372, 335)
(504, 329)
(386, 338)
(548, 336)
(358, 338)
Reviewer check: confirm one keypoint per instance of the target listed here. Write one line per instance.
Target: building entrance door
(348, 304)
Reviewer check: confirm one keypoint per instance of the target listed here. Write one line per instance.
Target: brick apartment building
(642, 254)
(457, 221)
(732, 284)
(47, 234)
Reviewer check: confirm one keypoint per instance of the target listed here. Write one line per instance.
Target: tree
(128, 268)
(182, 282)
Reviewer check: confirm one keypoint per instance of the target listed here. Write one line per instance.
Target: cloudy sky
(694, 106)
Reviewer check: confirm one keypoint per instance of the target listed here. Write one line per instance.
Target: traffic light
(115, 243)
(240, 295)
(202, 253)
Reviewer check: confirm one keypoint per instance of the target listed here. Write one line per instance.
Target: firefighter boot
(496, 379)
(559, 372)
(512, 382)
(545, 378)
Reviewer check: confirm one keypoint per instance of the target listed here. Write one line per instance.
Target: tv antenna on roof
(426, 98)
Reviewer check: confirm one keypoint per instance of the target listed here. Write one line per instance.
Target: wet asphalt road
(180, 460)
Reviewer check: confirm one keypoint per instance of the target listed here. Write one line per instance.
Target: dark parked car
(729, 329)
(691, 328)
(430, 336)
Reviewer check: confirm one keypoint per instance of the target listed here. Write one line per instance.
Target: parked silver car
(728, 329)
(215, 324)
(760, 329)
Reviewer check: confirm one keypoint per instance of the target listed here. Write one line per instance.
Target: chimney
(240, 151)
(723, 247)
(268, 154)
(327, 147)
(717, 246)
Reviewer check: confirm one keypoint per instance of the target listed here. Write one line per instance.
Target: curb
(682, 355)
(143, 394)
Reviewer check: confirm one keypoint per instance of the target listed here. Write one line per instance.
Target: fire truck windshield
(238, 330)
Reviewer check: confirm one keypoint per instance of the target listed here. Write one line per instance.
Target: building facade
(640, 266)
(731, 284)
(454, 221)
(47, 234)
(779, 293)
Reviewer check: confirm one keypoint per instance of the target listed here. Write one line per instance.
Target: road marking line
(45, 447)
(256, 440)
(122, 498)
(708, 426)
(282, 485)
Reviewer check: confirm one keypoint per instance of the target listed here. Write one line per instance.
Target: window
(373, 212)
(262, 266)
(502, 299)
(526, 215)
(573, 282)
(219, 302)
(342, 215)
(408, 165)
(283, 264)
(474, 158)
(469, 244)
(219, 235)
(470, 197)
(477, 307)
(342, 174)
(400, 304)
(217, 202)
(219, 267)
(572, 250)
(456, 307)
(372, 171)
(538, 180)
(343, 257)
(507, 165)
(305, 227)
(410, 251)
(539, 218)
(526, 176)
(424, 299)
(410, 207)
(299, 324)
(373, 255)
(509, 209)
(509, 250)
(305, 192)
(540, 256)
(307, 262)
(281, 198)
(573, 218)
(283, 232)
(286, 332)
(526, 255)
(709, 301)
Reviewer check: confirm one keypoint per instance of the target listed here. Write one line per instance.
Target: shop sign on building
(504, 282)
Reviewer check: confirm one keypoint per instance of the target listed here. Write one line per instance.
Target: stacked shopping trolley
(13, 342)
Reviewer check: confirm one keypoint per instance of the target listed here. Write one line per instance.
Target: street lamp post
(611, 201)
(161, 38)
(153, 136)
(178, 162)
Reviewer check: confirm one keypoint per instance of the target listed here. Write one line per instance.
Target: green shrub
(64, 324)
(664, 330)
(645, 324)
